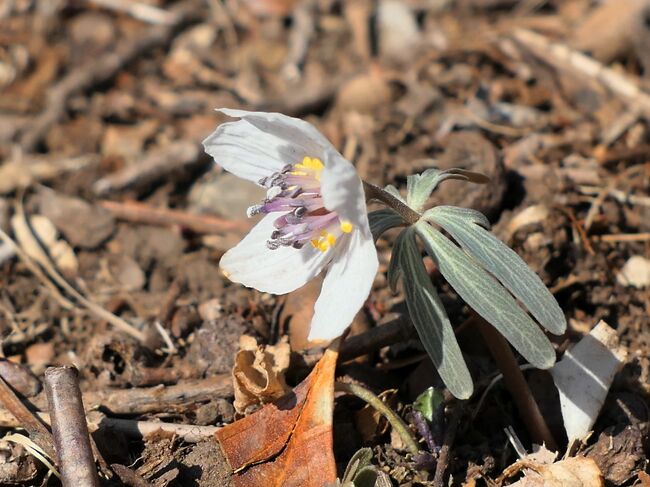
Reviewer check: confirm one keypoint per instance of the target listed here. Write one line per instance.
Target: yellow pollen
(346, 227)
(324, 242)
(310, 166)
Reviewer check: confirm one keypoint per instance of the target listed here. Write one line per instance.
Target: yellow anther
(323, 246)
(331, 239)
(312, 163)
(346, 226)
(314, 243)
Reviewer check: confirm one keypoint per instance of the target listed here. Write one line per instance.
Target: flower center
(295, 194)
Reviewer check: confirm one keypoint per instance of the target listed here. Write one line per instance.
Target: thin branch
(71, 438)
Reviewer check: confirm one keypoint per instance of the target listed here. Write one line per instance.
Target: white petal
(278, 271)
(262, 143)
(247, 152)
(342, 190)
(346, 286)
(292, 130)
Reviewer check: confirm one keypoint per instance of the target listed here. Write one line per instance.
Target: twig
(396, 422)
(144, 429)
(143, 400)
(136, 212)
(624, 237)
(154, 399)
(617, 194)
(517, 385)
(71, 438)
(157, 164)
(140, 11)
(97, 71)
(562, 57)
(130, 427)
(395, 331)
(26, 419)
(443, 457)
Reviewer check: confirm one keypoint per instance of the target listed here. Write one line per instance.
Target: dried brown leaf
(287, 443)
(572, 472)
(258, 374)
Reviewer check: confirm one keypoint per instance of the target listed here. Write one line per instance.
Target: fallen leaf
(644, 478)
(583, 378)
(287, 443)
(572, 472)
(258, 373)
(528, 216)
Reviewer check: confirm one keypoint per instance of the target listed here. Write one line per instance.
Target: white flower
(315, 215)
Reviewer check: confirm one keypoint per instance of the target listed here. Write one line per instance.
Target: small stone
(82, 224)
(635, 272)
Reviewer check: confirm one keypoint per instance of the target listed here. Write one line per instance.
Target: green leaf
(420, 186)
(485, 295)
(429, 316)
(503, 262)
(427, 403)
(367, 477)
(382, 220)
(362, 458)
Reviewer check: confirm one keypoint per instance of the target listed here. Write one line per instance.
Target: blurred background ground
(103, 107)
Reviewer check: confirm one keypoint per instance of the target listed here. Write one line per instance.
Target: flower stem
(374, 401)
(517, 385)
(374, 192)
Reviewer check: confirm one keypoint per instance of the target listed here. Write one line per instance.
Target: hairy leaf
(502, 262)
(485, 295)
(429, 317)
(420, 186)
(382, 220)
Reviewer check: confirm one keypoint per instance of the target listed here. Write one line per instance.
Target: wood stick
(137, 212)
(71, 438)
(566, 59)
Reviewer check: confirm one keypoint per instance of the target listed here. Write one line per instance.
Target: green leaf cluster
(486, 273)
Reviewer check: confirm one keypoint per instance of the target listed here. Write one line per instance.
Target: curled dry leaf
(287, 443)
(572, 472)
(41, 235)
(528, 216)
(258, 373)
